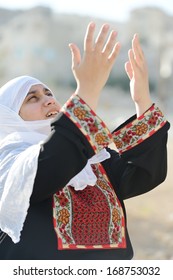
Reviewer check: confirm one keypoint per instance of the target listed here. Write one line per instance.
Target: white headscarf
(19, 150)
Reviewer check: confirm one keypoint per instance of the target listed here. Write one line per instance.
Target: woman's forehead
(38, 87)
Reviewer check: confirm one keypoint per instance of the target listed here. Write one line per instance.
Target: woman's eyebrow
(36, 91)
(31, 92)
(47, 90)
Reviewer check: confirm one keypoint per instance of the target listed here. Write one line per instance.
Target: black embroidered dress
(90, 224)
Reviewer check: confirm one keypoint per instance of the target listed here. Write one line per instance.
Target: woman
(61, 186)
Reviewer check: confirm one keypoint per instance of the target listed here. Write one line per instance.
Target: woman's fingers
(111, 48)
(88, 40)
(132, 59)
(137, 50)
(114, 53)
(100, 40)
(76, 56)
(102, 45)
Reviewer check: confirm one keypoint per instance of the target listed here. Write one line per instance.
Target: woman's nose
(49, 100)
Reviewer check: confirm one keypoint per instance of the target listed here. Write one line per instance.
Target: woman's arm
(92, 70)
(141, 162)
(136, 69)
(78, 133)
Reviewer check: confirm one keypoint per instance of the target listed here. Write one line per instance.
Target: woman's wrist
(90, 98)
(142, 107)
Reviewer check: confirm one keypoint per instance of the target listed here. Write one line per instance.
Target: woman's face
(39, 104)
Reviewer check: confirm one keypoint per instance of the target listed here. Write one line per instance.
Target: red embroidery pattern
(88, 122)
(137, 131)
(91, 218)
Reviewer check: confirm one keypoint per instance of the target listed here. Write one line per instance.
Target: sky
(117, 10)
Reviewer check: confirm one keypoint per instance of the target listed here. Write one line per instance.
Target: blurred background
(34, 40)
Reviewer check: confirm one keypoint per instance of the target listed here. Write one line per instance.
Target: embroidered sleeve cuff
(138, 130)
(88, 122)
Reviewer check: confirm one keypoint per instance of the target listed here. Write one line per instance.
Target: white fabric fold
(19, 172)
(87, 177)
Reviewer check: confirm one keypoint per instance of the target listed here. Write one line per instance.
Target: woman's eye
(49, 93)
(32, 98)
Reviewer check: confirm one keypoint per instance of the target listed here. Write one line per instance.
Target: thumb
(76, 56)
(129, 70)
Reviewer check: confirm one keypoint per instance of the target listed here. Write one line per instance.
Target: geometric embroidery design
(91, 218)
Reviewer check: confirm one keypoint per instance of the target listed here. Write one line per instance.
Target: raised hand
(92, 70)
(136, 69)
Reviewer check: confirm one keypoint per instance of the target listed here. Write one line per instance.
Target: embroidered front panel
(91, 218)
(88, 122)
(139, 130)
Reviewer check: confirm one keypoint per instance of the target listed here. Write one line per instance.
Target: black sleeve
(141, 168)
(62, 156)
